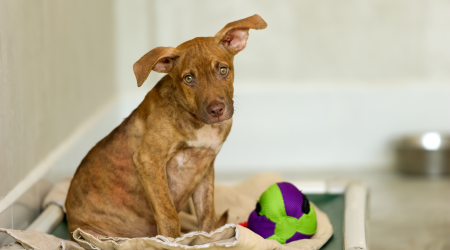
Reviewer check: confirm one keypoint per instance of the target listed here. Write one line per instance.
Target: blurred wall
(381, 42)
(56, 68)
(135, 25)
(328, 85)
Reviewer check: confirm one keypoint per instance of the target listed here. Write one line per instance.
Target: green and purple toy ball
(283, 214)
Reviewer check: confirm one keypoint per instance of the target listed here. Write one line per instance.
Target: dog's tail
(222, 220)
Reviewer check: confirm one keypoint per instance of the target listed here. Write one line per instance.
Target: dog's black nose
(215, 108)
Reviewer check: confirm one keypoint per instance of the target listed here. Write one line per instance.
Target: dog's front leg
(150, 161)
(203, 199)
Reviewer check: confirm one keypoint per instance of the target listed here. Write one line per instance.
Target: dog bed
(239, 200)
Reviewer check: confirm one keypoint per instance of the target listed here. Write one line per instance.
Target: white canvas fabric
(239, 200)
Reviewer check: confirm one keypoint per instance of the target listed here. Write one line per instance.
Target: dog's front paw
(168, 229)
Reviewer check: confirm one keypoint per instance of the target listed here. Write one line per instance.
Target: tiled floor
(409, 213)
(405, 212)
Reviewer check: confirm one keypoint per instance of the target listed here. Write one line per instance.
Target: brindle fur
(134, 182)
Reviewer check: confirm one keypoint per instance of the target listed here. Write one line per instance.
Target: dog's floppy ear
(160, 59)
(234, 35)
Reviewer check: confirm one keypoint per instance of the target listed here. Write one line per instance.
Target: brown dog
(134, 182)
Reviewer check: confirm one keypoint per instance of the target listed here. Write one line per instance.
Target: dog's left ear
(234, 35)
(160, 59)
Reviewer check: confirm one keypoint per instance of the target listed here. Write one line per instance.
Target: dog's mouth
(211, 121)
(220, 123)
(216, 121)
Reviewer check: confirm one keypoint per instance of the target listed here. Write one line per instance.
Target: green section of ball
(285, 228)
(307, 224)
(277, 238)
(272, 204)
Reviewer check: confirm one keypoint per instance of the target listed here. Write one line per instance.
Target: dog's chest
(207, 137)
(203, 146)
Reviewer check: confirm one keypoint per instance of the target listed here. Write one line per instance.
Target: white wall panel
(56, 68)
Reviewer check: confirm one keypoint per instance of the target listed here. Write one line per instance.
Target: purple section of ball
(293, 199)
(298, 236)
(261, 225)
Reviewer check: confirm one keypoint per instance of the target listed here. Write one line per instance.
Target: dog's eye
(188, 78)
(223, 70)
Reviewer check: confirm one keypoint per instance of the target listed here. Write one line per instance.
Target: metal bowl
(424, 154)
